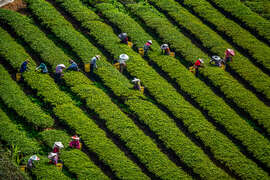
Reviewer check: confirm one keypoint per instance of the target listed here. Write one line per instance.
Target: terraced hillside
(212, 126)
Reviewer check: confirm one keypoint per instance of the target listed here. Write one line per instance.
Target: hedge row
(115, 120)
(261, 7)
(106, 38)
(75, 160)
(113, 157)
(14, 98)
(212, 41)
(173, 137)
(258, 50)
(197, 90)
(44, 170)
(10, 133)
(220, 79)
(13, 136)
(246, 16)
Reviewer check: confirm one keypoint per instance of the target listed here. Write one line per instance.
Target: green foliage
(16, 138)
(49, 137)
(111, 45)
(196, 89)
(80, 164)
(14, 98)
(95, 139)
(215, 44)
(9, 170)
(220, 79)
(74, 117)
(116, 120)
(246, 16)
(261, 7)
(44, 170)
(75, 160)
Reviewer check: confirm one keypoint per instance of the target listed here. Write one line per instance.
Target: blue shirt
(73, 66)
(23, 67)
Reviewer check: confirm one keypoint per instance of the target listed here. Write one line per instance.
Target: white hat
(51, 155)
(136, 80)
(164, 46)
(75, 137)
(58, 144)
(34, 157)
(124, 57)
(201, 60)
(150, 41)
(62, 65)
(98, 56)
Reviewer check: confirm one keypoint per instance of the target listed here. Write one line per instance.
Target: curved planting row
(115, 120)
(86, 93)
(42, 169)
(212, 41)
(258, 50)
(99, 30)
(14, 98)
(197, 90)
(246, 16)
(75, 160)
(91, 134)
(220, 79)
(10, 133)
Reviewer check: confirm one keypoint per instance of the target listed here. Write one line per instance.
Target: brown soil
(17, 5)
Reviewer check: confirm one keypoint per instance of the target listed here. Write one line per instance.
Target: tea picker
(93, 64)
(30, 163)
(147, 46)
(73, 66)
(23, 68)
(123, 37)
(53, 158)
(57, 146)
(229, 53)
(197, 65)
(42, 67)
(121, 62)
(75, 143)
(166, 50)
(137, 85)
(59, 72)
(217, 61)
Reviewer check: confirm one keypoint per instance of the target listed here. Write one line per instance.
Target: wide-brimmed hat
(75, 137)
(201, 60)
(135, 80)
(34, 157)
(164, 46)
(124, 57)
(231, 52)
(58, 144)
(98, 56)
(51, 155)
(149, 41)
(62, 65)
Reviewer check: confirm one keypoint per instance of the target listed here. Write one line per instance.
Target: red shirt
(197, 63)
(56, 150)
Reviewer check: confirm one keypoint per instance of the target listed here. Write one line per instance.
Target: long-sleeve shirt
(55, 150)
(43, 68)
(73, 67)
(146, 46)
(197, 64)
(23, 67)
(75, 144)
(93, 62)
(58, 70)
